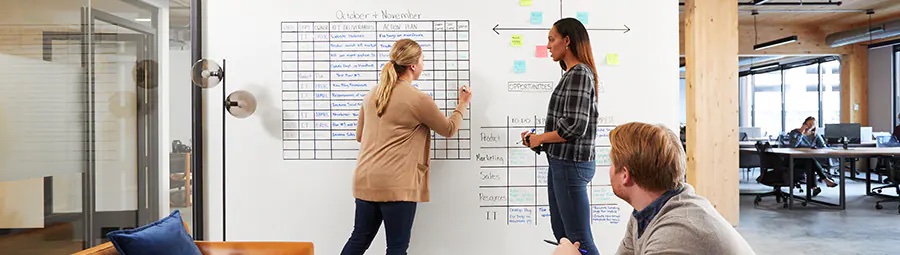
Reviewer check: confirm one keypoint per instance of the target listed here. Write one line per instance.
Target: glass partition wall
(81, 133)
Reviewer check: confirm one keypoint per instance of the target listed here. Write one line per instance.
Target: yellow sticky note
(516, 41)
(612, 59)
(525, 2)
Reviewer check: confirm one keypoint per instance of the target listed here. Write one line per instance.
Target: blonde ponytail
(404, 53)
(385, 87)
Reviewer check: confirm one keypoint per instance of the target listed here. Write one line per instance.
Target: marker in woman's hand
(583, 251)
(526, 136)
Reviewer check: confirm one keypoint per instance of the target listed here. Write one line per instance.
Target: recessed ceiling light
(142, 19)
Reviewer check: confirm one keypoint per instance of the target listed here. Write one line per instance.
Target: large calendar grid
(329, 66)
(514, 178)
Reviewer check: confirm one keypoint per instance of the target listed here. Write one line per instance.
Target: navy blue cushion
(166, 236)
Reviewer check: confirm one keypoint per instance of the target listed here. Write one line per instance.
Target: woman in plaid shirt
(569, 133)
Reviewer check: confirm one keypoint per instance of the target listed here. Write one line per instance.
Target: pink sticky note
(540, 51)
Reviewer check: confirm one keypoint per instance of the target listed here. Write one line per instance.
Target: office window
(746, 99)
(896, 84)
(831, 92)
(779, 105)
(801, 95)
(767, 102)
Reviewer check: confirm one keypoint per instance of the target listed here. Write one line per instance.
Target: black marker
(557, 244)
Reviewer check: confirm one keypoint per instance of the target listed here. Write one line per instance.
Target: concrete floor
(817, 230)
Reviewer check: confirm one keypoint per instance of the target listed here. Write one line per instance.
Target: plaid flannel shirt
(573, 114)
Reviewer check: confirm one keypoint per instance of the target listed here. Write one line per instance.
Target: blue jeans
(570, 209)
(398, 221)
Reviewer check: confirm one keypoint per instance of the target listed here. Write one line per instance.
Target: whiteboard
(486, 197)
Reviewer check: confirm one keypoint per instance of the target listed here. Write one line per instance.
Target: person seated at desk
(896, 134)
(647, 170)
(806, 137)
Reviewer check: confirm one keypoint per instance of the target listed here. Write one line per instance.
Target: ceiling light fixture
(778, 42)
(142, 19)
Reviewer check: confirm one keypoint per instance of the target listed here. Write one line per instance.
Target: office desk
(752, 144)
(748, 144)
(859, 152)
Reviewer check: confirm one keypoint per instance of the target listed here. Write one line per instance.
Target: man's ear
(627, 180)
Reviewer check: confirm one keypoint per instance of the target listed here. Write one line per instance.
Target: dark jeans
(398, 221)
(810, 165)
(570, 209)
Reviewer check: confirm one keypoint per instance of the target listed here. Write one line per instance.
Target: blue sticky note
(537, 18)
(583, 17)
(519, 66)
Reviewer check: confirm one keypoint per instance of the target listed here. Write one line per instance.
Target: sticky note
(525, 2)
(540, 51)
(612, 59)
(582, 16)
(519, 66)
(537, 18)
(516, 41)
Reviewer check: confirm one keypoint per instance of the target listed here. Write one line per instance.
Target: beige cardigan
(394, 156)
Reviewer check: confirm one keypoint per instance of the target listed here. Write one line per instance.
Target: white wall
(269, 198)
(881, 114)
(180, 96)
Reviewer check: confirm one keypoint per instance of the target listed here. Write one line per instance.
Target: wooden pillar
(855, 85)
(711, 47)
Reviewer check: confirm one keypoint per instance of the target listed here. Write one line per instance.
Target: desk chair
(890, 167)
(783, 139)
(748, 161)
(773, 172)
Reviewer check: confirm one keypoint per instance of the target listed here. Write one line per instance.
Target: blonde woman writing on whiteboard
(394, 131)
(569, 131)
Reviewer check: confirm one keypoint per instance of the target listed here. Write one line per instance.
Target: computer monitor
(834, 133)
(752, 132)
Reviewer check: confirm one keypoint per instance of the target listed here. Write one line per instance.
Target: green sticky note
(519, 66)
(525, 2)
(537, 18)
(612, 59)
(583, 17)
(516, 41)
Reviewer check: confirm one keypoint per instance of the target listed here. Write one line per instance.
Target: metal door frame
(148, 123)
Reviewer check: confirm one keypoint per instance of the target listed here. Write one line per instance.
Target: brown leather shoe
(830, 183)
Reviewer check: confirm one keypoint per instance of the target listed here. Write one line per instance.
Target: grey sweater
(686, 224)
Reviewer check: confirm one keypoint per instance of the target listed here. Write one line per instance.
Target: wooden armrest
(106, 248)
(273, 248)
(226, 248)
